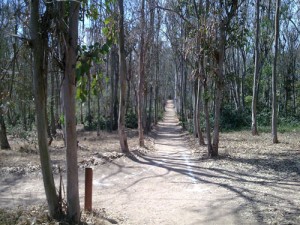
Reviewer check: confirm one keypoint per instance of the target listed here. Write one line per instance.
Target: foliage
(264, 117)
(91, 124)
(234, 119)
(131, 120)
(39, 215)
(34, 215)
(90, 55)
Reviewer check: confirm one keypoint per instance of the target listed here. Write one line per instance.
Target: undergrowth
(39, 215)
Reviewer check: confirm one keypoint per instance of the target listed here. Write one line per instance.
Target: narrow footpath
(168, 186)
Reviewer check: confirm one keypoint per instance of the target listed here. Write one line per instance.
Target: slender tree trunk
(3, 135)
(182, 94)
(198, 104)
(256, 72)
(24, 115)
(207, 122)
(81, 113)
(243, 78)
(195, 107)
(150, 61)
(274, 97)
(150, 109)
(46, 64)
(89, 114)
(141, 77)
(112, 88)
(69, 91)
(219, 91)
(40, 104)
(122, 71)
(129, 82)
(116, 104)
(52, 101)
(98, 114)
(293, 87)
(57, 100)
(157, 55)
(203, 77)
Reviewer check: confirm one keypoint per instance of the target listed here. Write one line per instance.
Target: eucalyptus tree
(141, 86)
(68, 96)
(5, 14)
(274, 75)
(4, 144)
(256, 70)
(37, 34)
(220, 21)
(227, 12)
(122, 71)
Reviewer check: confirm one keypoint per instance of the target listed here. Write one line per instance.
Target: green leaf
(107, 20)
(105, 31)
(80, 94)
(105, 48)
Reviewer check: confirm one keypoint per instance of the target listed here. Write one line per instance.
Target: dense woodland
(111, 65)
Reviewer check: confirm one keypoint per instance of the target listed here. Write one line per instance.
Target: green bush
(103, 124)
(234, 119)
(264, 117)
(131, 120)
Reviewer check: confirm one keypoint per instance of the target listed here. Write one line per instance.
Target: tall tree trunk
(81, 113)
(149, 121)
(40, 105)
(141, 77)
(207, 122)
(3, 135)
(128, 105)
(89, 114)
(57, 100)
(98, 113)
(293, 86)
(274, 97)
(112, 88)
(52, 101)
(157, 55)
(198, 104)
(182, 115)
(150, 61)
(122, 71)
(24, 115)
(203, 77)
(219, 90)
(195, 110)
(116, 102)
(68, 92)
(256, 72)
(243, 78)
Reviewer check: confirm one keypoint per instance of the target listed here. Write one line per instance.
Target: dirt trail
(166, 187)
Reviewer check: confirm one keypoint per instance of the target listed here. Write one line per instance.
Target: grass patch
(39, 215)
(287, 128)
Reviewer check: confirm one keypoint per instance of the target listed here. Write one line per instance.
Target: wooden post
(88, 189)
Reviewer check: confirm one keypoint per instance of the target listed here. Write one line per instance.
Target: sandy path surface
(166, 186)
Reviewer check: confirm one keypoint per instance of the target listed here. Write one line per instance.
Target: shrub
(235, 119)
(131, 120)
(103, 124)
(264, 117)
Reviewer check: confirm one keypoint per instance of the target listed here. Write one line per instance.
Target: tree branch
(178, 13)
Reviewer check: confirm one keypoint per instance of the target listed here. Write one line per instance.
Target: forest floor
(171, 181)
